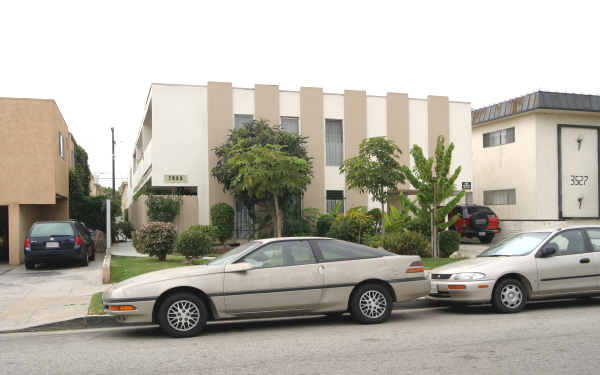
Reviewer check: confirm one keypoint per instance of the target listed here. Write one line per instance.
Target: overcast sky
(98, 61)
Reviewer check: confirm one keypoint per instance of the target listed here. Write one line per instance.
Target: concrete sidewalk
(125, 249)
(47, 295)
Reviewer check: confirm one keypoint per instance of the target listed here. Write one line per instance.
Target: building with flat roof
(183, 123)
(535, 159)
(36, 155)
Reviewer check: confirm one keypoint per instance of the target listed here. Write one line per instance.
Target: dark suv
(476, 221)
(58, 241)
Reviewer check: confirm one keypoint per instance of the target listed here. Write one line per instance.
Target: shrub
(163, 209)
(375, 213)
(449, 242)
(156, 239)
(352, 226)
(324, 224)
(420, 225)
(407, 243)
(222, 217)
(396, 220)
(372, 241)
(135, 241)
(295, 226)
(197, 240)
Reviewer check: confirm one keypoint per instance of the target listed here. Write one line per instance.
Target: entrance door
(3, 233)
(579, 172)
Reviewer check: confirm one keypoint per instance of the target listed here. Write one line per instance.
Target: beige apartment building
(183, 123)
(36, 154)
(535, 160)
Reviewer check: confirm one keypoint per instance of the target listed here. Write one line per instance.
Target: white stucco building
(183, 123)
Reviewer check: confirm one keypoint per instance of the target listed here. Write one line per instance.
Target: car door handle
(584, 260)
(321, 269)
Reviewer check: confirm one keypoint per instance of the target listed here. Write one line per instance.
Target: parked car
(529, 266)
(272, 277)
(57, 242)
(475, 221)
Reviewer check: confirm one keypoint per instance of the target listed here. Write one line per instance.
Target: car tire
(93, 256)
(85, 260)
(182, 315)
(487, 238)
(29, 265)
(509, 296)
(371, 304)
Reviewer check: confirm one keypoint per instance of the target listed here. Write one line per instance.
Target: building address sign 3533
(176, 178)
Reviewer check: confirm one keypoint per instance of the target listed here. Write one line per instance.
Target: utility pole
(112, 131)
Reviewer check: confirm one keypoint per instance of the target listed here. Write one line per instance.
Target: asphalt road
(547, 338)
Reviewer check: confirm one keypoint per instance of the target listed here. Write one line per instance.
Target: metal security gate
(243, 221)
(578, 172)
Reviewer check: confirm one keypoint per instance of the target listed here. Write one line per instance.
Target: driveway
(46, 295)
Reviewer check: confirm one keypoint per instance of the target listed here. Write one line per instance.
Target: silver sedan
(529, 266)
(272, 277)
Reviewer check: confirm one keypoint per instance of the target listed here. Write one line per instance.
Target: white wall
(243, 102)
(461, 136)
(180, 139)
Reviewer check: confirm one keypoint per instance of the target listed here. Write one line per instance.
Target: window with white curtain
(500, 197)
(290, 124)
(239, 120)
(334, 142)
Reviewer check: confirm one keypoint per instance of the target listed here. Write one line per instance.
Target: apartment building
(535, 159)
(183, 123)
(36, 154)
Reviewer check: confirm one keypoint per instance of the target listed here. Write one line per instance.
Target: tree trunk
(277, 217)
(381, 221)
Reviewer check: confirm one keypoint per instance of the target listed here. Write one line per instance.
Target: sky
(98, 59)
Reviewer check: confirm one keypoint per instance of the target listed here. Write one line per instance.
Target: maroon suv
(476, 221)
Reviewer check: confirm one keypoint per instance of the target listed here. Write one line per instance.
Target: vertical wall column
(266, 103)
(355, 130)
(438, 114)
(220, 122)
(15, 246)
(312, 125)
(397, 124)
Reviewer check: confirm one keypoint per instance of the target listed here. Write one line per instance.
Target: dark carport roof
(536, 100)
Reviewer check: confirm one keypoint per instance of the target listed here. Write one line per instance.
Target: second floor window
(290, 124)
(500, 197)
(334, 142)
(240, 120)
(499, 137)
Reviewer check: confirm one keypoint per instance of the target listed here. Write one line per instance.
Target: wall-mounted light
(579, 142)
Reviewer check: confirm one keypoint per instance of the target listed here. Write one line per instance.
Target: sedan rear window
(342, 250)
(52, 229)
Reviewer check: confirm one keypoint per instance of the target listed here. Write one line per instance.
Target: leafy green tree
(259, 133)
(268, 171)
(375, 170)
(431, 174)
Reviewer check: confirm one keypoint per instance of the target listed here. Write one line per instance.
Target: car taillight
(415, 267)
(78, 241)
(27, 243)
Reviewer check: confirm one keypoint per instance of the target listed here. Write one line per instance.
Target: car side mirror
(238, 267)
(548, 251)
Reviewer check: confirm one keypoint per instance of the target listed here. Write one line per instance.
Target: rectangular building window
(334, 142)
(333, 198)
(61, 145)
(500, 197)
(240, 120)
(499, 137)
(290, 124)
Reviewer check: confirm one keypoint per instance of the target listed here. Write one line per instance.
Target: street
(547, 338)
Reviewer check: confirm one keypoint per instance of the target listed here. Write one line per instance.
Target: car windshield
(52, 229)
(228, 257)
(521, 244)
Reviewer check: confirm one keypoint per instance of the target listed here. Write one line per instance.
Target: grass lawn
(122, 268)
(430, 263)
(96, 307)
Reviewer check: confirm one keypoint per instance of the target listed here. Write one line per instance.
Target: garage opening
(3, 234)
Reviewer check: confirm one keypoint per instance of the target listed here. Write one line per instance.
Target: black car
(58, 242)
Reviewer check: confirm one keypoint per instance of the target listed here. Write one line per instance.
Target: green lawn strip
(122, 268)
(430, 263)
(96, 307)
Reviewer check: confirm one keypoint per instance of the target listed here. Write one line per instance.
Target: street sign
(466, 185)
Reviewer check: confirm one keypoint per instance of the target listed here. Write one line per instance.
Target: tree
(251, 134)
(268, 171)
(426, 182)
(375, 170)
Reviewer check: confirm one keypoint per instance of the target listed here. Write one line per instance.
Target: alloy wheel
(372, 304)
(183, 315)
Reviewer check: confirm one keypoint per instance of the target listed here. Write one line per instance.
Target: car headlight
(467, 276)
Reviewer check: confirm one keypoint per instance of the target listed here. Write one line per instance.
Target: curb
(90, 321)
